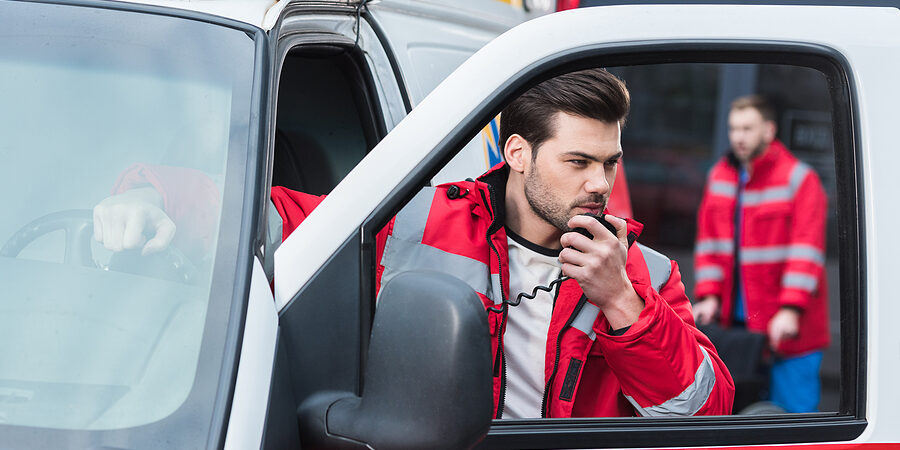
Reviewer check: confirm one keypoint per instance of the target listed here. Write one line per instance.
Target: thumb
(775, 336)
(165, 232)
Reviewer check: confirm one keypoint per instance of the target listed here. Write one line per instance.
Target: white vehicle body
(411, 48)
(871, 57)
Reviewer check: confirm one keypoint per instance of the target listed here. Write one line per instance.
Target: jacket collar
(763, 162)
(495, 180)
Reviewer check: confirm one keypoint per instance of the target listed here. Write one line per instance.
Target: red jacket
(661, 366)
(782, 246)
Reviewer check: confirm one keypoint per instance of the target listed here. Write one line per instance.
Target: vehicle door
(104, 349)
(324, 284)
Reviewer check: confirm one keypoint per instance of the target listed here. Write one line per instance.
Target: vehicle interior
(325, 118)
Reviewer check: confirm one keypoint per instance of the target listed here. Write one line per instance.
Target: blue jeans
(794, 382)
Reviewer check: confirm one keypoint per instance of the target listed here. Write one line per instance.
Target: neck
(759, 154)
(523, 221)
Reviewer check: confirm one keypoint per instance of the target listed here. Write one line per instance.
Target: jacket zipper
(502, 400)
(505, 309)
(545, 401)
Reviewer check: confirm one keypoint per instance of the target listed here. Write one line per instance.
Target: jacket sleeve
(666, 367)
(190, 198)
(293, 207)
(709, 268)
(805, 266)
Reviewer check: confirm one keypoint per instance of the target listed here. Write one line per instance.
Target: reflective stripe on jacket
(782, 244)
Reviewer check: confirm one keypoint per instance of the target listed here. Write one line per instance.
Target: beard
(759, 150)
(752, 154)
(548, 207)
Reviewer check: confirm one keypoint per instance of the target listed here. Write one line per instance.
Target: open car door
(324, 281)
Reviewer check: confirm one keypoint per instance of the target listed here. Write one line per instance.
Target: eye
(612, 162)
(578, 162)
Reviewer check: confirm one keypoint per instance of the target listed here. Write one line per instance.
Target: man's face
(749, 133)
(574, 170)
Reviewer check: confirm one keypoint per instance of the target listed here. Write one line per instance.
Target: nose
(597, 184)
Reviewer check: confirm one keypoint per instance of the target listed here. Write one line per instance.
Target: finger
(699, 312)
(575, 240)
(621, 227)
(777, 334)
(700, 316)
(572, 271)
(573, 256)
(133, 236)
(775, 339)
(708, 316)
(98, 225)
(165, 232)
(113, 230)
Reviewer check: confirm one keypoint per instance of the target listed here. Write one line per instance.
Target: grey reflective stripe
(585, 319)
(691, 399)
(403, 256)
(496, 293)
(785, 193)
(659, 266)
(409, 224)
(755, 197)
(806, 253)
(404, 251)
(709, 273)
(781, 253)
(798, 174)
(714, 246)
(800, 281)
(273, 239)
(723, 188)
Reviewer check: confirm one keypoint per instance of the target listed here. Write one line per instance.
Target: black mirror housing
(428, 381)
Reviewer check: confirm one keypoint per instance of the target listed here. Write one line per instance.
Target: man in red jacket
(614, 337)
(760, 255)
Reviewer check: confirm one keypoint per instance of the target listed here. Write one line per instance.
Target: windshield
(91, 101)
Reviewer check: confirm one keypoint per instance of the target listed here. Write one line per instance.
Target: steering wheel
(79, 228)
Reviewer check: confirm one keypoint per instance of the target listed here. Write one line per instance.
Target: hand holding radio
(596, 258)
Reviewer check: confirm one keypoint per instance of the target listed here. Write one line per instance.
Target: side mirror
(428, 381)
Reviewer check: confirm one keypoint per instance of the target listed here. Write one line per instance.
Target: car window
(96, 103)
(676, 143)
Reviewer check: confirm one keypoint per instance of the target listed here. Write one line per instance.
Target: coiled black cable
(534, 292)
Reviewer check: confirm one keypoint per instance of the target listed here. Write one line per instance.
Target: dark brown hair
(591, 93)
(757, 102)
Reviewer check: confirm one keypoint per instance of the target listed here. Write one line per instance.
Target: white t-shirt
(525, 340)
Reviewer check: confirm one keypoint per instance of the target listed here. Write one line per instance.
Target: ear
(771, 130)
(517, 153)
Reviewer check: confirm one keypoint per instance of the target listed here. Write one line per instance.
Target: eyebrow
(578, 154)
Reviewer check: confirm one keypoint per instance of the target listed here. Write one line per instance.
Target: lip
(593, 208)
